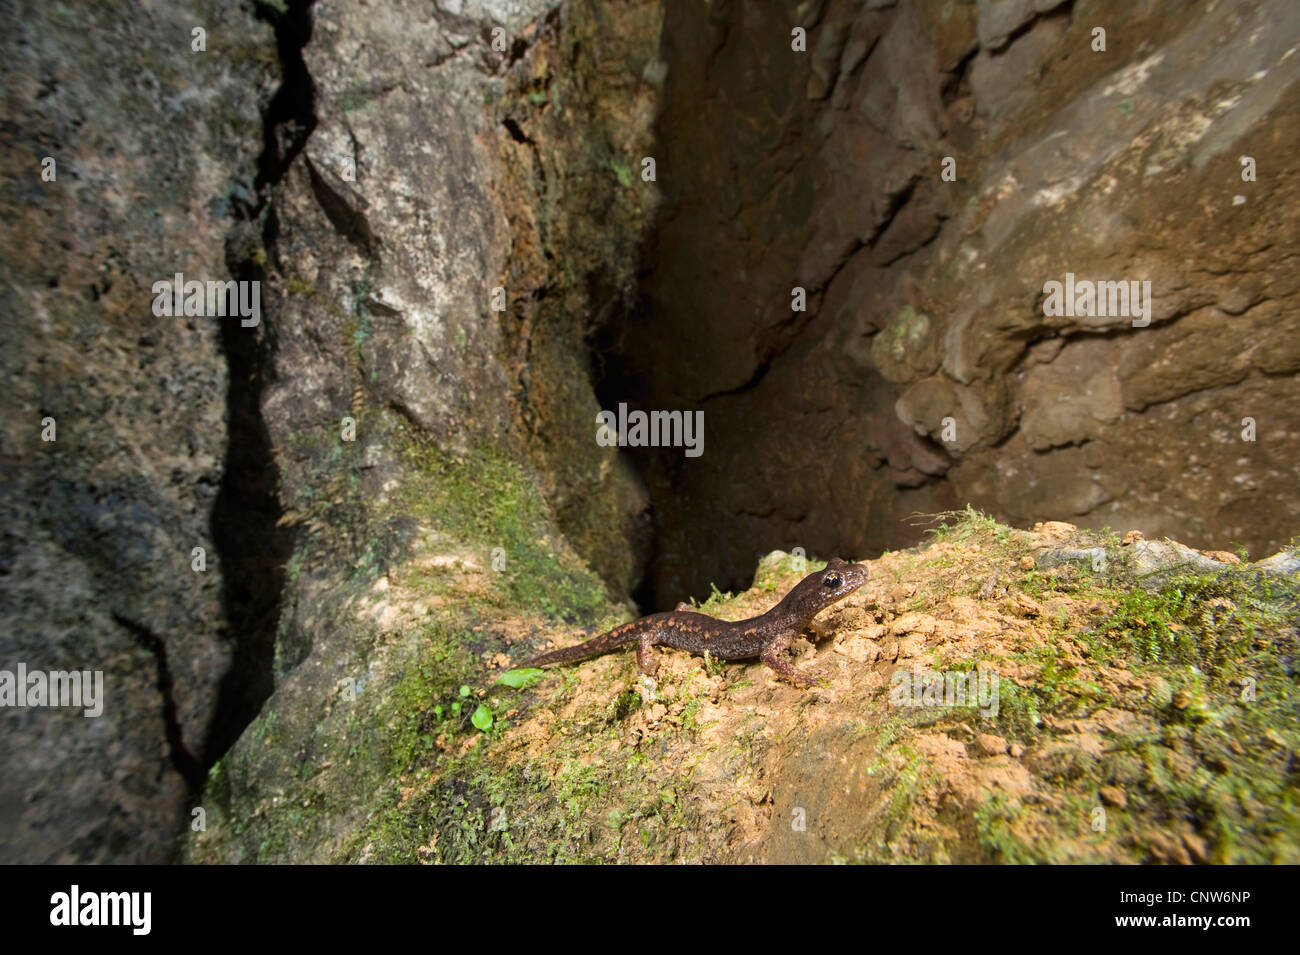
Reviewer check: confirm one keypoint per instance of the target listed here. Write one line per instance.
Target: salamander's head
(833, 582)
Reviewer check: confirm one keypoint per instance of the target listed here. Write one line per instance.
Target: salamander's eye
(832, 581)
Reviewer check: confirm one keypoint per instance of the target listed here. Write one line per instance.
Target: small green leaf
(521, 678)
(464, 690)
(482, 718)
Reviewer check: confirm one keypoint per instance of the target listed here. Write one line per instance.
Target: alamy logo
(82, 688)
(952, 688)
(658, 429)
(176, 297)
(103, 908)
(1102, 299)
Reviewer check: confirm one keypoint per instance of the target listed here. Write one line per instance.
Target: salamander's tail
(627, 633)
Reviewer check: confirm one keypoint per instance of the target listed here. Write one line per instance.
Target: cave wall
(380, 171)
(154, 148)
(821, 170)
(451, 231)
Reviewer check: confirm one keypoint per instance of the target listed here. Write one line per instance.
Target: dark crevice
(518, 135)
(291, 115)
(347, 222)
(957, 82)
(182, 759)
(759, 372)
(252, 548)
(517, 51)
(698, 514)
(516, 132)
(897, 201)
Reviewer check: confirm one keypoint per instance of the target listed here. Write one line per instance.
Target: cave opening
(750, 309)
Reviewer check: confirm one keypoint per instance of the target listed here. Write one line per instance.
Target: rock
(1094, 558)
(1196, 846)
(1155, 561)
(906, 348)
(1281, 564)
(998, 19)
(1114, 796)
(1166, 849)
(918, 623)
(412, 168)
(997, 79)
(1074, 398)
(1222, 556)
(1027, 606)
(925, 339)
(1055, 530)
(990, 745)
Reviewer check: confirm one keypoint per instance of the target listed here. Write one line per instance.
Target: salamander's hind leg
(645, 659)
(773, 656)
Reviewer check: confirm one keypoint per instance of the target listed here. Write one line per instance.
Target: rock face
(149, 141)
(459, 220)
(926, 370)
(454, 229)
(439, 208)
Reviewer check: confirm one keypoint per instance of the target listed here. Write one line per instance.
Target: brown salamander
(766, 636)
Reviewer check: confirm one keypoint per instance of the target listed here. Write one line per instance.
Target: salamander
(766, 636)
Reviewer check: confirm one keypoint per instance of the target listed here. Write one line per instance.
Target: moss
(1208, 698)
(905, 346)
(968, 524)
(493, 501)
(625, 704)
(1208, 621)
(993, 819)
(1218, 651)
(776, 568)
(622, 171)
(479, 811)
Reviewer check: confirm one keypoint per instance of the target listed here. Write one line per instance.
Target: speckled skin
(766, 636)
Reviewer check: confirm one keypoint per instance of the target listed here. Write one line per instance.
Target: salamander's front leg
(645, 660)
(773, 656)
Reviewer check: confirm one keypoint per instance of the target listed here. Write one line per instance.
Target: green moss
(1205, 620)
(968, 524)
(993, 819)
(493, 501)
(622, 171)
(776, 568)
